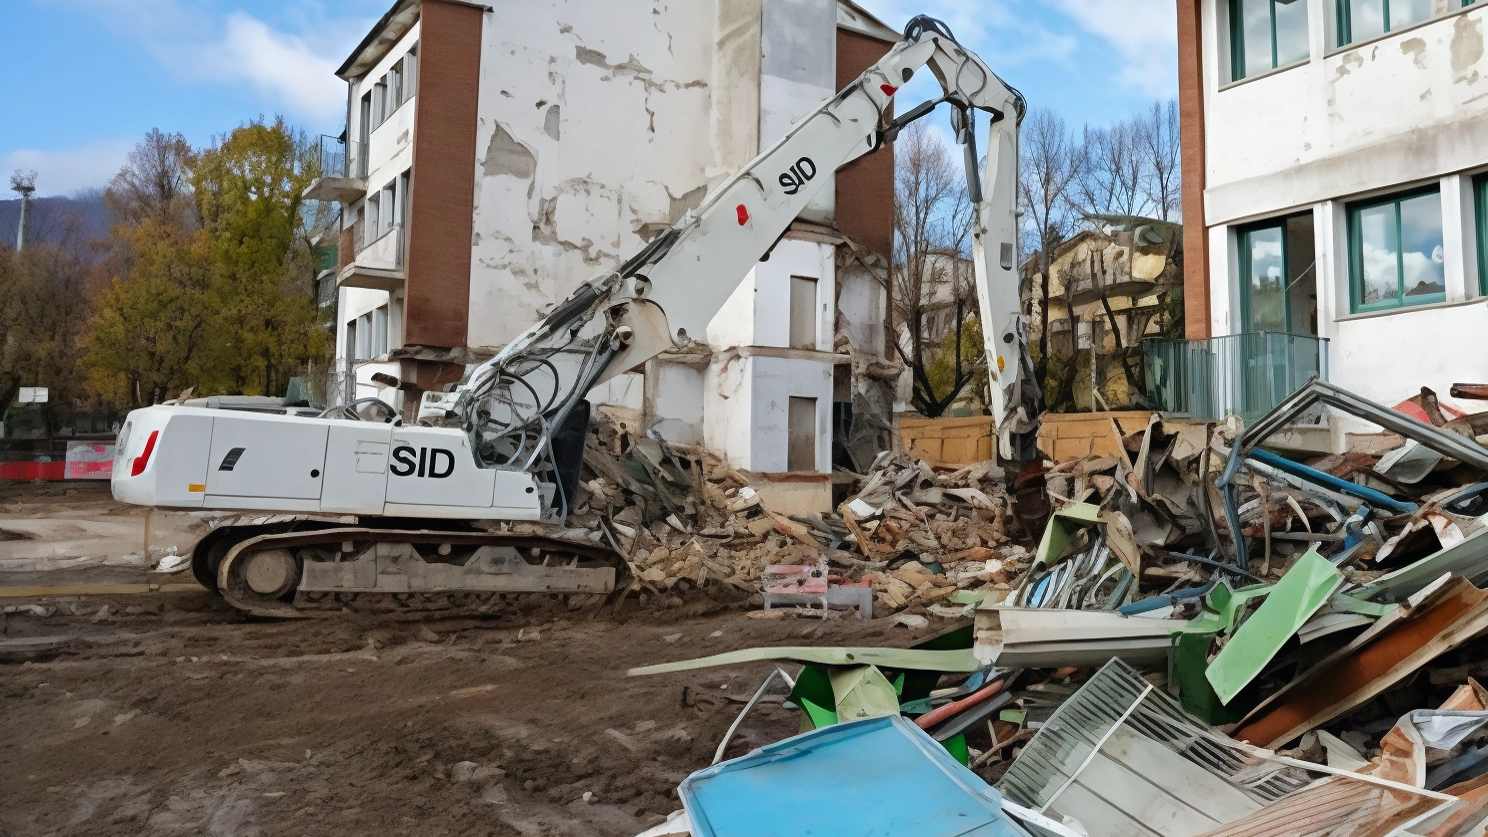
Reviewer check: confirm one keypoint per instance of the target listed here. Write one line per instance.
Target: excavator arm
(506, 443)
(664, 297)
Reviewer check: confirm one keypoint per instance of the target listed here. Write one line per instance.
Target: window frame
(1344, 18)
(1480, 223)
(1242, 236)
(1237, 42)
(1356, 252)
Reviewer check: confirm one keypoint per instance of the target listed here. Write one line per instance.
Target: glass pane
(1421, 243)
(1379, 254)
(1255, 20)
(1266, 282)
(1291, 31)
(1405, 12)
(1366, 18)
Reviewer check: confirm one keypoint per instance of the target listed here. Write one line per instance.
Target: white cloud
(281, 66)
(293, 71)
(64, 171)
(1017, 38)
(1010, 33)
(1144, 32)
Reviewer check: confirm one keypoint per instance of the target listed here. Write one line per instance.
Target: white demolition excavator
(370, 511)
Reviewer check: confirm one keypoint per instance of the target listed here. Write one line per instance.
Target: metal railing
(1242, 374)
(342, 159)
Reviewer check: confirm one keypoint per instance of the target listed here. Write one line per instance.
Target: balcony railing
(342, 159)
(1242, 374)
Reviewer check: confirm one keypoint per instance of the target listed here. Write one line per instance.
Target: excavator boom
(505, 444)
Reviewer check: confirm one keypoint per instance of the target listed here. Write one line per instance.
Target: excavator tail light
(743, 214)
(144, 458)
(888, 89)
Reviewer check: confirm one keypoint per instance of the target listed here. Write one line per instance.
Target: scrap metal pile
(913, 538)
(1211, 638)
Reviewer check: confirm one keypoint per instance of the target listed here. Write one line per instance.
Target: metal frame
(1480, 219)
(1356, 252)
(1247, 280)
(1319, 392)
(1237, 41)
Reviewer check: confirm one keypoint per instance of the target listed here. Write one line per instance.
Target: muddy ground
(168, 713)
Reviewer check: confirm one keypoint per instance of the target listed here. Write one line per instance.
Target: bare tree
(154, 184)
(932, 297)
(1051, 163)
(1113, 182)
(1158, 146)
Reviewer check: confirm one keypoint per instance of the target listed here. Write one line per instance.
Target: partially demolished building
(496, 158)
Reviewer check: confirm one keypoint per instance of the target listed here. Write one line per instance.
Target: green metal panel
(1305, 588)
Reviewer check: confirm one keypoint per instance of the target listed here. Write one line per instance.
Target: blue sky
(98, 74)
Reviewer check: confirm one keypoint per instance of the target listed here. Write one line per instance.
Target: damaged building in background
(496, 158)
(1109, 290)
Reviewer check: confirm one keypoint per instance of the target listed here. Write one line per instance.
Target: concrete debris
(1284, 644)
(913, 538)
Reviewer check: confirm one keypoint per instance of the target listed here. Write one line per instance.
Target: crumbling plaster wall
(593, 136)
(1409, 106)
(674, 400)
(748, 424)
(753, 435)
(860, 309)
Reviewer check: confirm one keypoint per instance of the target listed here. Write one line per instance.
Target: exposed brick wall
(1191, 137)
(345, 248)
(865, 187)
(437, 303)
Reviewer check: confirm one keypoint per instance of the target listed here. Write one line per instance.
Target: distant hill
(50, 219)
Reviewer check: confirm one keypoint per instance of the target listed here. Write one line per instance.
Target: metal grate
(1120, 756)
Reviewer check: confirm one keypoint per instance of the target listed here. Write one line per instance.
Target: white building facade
(499, 155)
(1334, 172)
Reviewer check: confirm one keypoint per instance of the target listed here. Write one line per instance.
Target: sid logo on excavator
(793, 178)
(436, 463)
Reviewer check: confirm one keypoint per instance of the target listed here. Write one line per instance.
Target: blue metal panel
(881, 776)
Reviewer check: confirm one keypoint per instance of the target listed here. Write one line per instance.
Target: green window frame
(1238, 68)
(1249, 237)
(1346, 26)
(1402, 298)
(1480, 221)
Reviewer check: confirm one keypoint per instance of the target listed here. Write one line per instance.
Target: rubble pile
(1217, 634)
(922, 539)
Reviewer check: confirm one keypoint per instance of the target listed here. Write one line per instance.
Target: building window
(800, 421)
(1278, 276)
(394, 88)
(379, 332)
(1263, 297)
(1266, 34)
(1360, 20)
(1395, 251)
(802, 313)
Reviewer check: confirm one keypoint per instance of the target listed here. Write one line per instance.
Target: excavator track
(324, 571)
